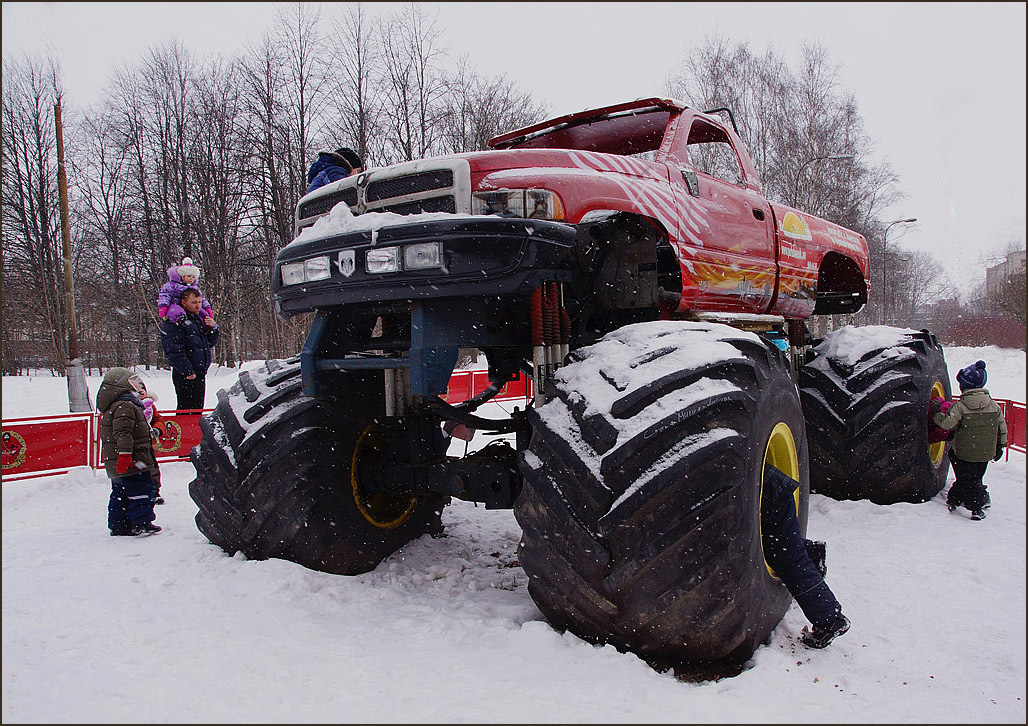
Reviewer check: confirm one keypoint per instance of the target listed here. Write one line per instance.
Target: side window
(711, 152)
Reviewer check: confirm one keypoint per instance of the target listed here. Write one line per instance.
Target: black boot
(825, 633)
(146, 528)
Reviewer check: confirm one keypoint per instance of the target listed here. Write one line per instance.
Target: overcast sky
(941, 86)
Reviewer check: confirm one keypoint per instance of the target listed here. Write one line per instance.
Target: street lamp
(808, 162)
(885, 248)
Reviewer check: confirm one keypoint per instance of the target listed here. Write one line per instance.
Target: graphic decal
(655, 197)
(14, 450)
(171, 441)
(795, 226)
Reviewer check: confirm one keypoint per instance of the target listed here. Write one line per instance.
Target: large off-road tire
(865, 399)
(274, 474)
(641, 502)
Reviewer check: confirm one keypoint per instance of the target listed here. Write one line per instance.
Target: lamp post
(885, 248)
(808, 162)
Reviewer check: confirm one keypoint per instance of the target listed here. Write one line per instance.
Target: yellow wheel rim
(936, 450)
(780, 453)
(379, 509)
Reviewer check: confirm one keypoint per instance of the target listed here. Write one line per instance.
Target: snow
(170, 629)
(850, 343)
(340, 220)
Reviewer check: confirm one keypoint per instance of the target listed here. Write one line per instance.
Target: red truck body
(738, 252)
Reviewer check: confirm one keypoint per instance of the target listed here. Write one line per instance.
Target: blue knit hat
(974, 376)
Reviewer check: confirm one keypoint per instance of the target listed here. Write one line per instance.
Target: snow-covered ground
(170, 629)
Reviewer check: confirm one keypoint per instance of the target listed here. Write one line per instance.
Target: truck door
(726, 235)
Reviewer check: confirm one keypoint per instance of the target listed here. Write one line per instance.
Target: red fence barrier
(1014, 413)
(48, 445)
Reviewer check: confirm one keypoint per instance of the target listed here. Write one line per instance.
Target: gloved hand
(999, 453)
(124, 463)
(155, 433)
(934, 405)
(162, 312)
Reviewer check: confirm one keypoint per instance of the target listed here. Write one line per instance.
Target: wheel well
(625, 271)
(840, 286)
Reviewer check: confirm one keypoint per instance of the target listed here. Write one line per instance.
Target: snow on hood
(340, 220)
(849, 344)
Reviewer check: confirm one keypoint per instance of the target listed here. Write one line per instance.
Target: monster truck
(624, 259)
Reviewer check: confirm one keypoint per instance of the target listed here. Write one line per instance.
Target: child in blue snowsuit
(798, 562)
(332, 166)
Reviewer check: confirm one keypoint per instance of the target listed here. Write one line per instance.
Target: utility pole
(78, 389)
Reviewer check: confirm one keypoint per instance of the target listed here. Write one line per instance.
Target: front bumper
(490, 256)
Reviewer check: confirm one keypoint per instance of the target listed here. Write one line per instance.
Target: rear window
(632, 133)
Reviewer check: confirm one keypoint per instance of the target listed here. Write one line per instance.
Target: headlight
(317, 268)
(523, 203)
(383, 259)
(292, 274)
(423, 256)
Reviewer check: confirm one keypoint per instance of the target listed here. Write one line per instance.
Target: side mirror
(691, 182)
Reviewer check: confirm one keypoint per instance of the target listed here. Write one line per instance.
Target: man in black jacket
(187, 345)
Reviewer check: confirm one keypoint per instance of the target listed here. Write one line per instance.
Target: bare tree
(356, 100)
(918, 282)
(414, 83)
(477, 109)
(34, 304)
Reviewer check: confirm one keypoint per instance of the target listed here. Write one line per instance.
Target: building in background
(996, 277)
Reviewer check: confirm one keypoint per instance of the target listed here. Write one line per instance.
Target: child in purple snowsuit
(169, 298)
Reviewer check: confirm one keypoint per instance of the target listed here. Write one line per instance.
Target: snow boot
(817, 551)
(825, 633)
(977, 515)
(146, 528)
(123, 532)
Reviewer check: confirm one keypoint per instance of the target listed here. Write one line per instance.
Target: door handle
(758, 213)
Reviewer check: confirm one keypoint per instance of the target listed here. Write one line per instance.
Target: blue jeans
(785, 550)
(131, 502)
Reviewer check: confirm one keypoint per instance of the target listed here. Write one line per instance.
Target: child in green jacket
(980, 435)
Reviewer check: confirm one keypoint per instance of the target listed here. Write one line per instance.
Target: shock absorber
(552, 310)
(565, 328)
(535, 319)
